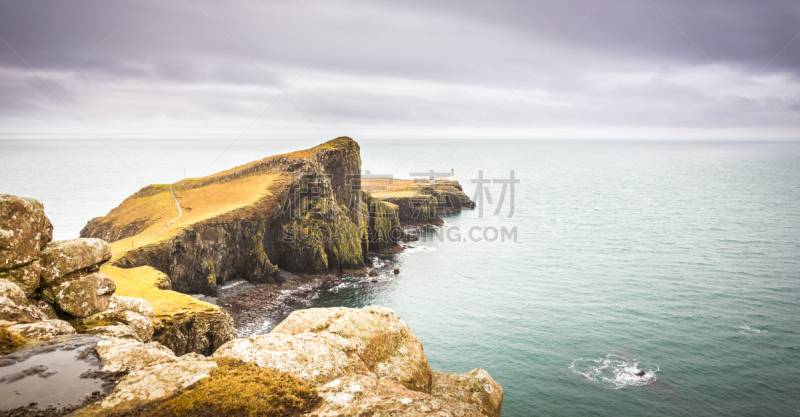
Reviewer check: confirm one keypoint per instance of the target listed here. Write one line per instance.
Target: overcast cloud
(551, 69)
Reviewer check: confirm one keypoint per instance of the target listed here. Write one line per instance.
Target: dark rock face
(420, 209)
(200, 333)
(382, 219)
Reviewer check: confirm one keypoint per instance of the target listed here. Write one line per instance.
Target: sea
(595, 278)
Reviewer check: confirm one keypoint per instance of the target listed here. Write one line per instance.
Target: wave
(615, 371)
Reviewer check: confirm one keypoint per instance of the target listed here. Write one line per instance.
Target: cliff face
(420, 202)
(301, 212)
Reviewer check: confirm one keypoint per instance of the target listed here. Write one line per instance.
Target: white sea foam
(420, 249)
(615, 371)
(745, 329)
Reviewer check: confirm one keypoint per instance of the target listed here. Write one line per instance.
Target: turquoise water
(676, 259)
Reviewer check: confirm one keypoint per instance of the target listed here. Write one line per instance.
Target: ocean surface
(646, 278)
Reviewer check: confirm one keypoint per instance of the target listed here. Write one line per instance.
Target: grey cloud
(446, 63)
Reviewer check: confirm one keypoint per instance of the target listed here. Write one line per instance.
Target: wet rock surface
(53, 377)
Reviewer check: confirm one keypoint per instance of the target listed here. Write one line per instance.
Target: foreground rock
(360, 362)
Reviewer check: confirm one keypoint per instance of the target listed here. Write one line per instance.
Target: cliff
(301, 212)
(419, 202)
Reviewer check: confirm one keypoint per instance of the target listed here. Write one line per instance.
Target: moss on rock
(235, 388)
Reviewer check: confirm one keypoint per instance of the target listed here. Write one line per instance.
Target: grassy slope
(213, 197)
(142, 282)
(214, 200)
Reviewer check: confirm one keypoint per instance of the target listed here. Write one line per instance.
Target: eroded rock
(82, 295)
(476, 387)
(24, 230)
(42, 329)
(14, 306)
(383, 341)
(119, 323)
(314, 357)
(25, 276)
(64, 257)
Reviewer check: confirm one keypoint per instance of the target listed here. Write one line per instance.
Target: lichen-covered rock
(42, 329)
(25, 276)
(124, 355)
(475, 387)
(136, 305)
(118, 331)
(118, 323)
(383, 341)
(45, 308)
(314, 357)
(153, 373)
(82, 295)
(150, 384)
(14, 306)
(24, 230)
(64, 257)
(367, 395)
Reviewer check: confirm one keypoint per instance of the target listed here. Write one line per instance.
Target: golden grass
(156, 207)
(395, 194)
(204, 203)
(9, 342)
(142, 282)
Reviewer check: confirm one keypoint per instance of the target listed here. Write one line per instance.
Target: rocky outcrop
(365, 362)
(382, 221)
(380, 340)
(300, 212)
(420, 202)
(360, 362)
(201, 332)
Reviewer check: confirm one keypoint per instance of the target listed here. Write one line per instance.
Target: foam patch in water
(616, 371)
(745, 329)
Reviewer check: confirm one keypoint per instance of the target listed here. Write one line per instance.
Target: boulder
(153, 373)
(116, 323)
(82, 295)
(24, 230)
(367, 395)
(45, 308)
(25, 276)
(476, 387)
(316, 358)
(136, 305)
(42, 329)
(14, 306)
(125, 355)
(384, 343)
(64, 257)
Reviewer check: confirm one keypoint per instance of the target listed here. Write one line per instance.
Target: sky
(677, 69)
